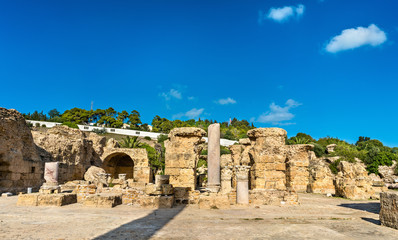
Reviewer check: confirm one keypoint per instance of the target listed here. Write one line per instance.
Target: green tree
(134, 119)
(54, 113)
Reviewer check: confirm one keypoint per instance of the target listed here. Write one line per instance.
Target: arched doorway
(119, 163)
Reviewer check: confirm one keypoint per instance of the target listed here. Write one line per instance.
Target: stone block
(60, 199)
(156, 201)
(28, 199)
(103, 200)
(167, 189)
(389, 209)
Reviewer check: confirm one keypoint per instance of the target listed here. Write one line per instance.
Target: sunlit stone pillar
(242, 184)
(226, 176)
(213, 158)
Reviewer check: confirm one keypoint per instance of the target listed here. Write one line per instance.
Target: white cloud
(283, 14)
(193, 113)
(225, 101)
(277, 115)
(171, 94)
(356, 37)
(191, 98)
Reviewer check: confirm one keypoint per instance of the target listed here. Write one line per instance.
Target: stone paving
(318, 217)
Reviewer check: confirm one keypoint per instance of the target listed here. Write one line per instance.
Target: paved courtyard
(318, 217)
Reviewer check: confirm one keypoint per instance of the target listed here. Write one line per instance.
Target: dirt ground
(318, 217)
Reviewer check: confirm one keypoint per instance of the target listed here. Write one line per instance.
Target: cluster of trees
(233, 130)
(370, 151)
(100, 117)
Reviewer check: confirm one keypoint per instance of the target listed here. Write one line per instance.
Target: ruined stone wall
(321, 178)
(353, 182)
(20, 165)
(389, 209)
(297, 162)
(70, 147)
(267, 157)
(182, 154)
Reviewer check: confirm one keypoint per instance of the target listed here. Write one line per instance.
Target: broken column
(51, 170)
(182, 154)
(226, 177)
(213, 158)
(268, 155)
(242, 184)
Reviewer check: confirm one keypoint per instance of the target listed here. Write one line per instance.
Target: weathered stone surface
(37, 199)
(268, 155)
(226, 180)
(388, 173)
(20, 165)
(226, 161)
(182, 154)
(330, 148)
(213, 158)
(353, 182)
(51, 172)
(242, 184)
(297, 173)
(70, 147)
(97, 176)
(156, 201)
(389, 209)
(105, 200)
(273, 197)
(321, 178)
(214, 202)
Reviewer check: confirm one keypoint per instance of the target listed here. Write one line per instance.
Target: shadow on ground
(372, 207)
(146, 227)
(371, 220)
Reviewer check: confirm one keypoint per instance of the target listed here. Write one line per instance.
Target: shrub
(162, 138)
(333, 166)
(224, 150)
(37, 125)
(29, 124)
(319, 150)
(147, 138)
(70, 124)
(379, 158)
(330, 140)
(203, 152)
(348, 152)
(99, 131)
(44, 125)
(202, 162)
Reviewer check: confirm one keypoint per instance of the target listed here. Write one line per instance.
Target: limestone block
(156, 201)
(389, 209)
(60, 199)
(167, 189)
(103, 200)
(28, 199)
(150, 189)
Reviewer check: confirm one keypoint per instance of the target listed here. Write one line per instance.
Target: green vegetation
(130, 142)
(371, 151)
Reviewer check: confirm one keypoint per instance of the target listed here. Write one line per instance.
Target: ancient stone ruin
(70, 166)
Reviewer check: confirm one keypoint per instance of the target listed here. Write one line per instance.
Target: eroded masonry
(63, 166)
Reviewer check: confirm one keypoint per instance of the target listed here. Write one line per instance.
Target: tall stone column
(213, 158)
(242, 184)
(226, 176)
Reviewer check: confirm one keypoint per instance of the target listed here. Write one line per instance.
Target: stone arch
(132, 161)
(119, 163)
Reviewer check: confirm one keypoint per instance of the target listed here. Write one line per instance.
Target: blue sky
(326, 68)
